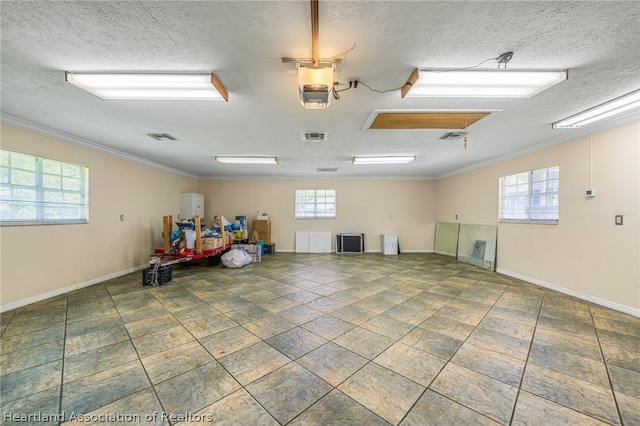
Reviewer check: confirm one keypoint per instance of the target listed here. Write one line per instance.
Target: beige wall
(373, 207)
(45, 259)
(585, 252)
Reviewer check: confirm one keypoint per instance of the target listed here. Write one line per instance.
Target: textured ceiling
(243, 43)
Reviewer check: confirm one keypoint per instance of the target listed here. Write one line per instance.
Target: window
(315, 204)
(36, 190)
(531, 196)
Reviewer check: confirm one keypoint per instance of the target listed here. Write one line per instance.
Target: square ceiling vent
(314, 136)
(449, 136)
(426, 119)
(162, 136)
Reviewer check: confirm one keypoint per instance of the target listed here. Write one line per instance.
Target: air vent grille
(162, 136)
(314, 136)
(452, 136)
(327, 169)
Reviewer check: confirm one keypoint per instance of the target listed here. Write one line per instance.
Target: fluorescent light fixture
(606, 110)
(159, 86)
(383, 160)
(246, 160)
(315, 87)
(483, 83)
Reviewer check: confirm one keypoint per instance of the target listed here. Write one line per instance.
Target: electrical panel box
(191, 205)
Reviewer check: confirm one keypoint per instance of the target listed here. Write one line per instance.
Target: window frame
(532, 210)
(42, 189)
(316, 212)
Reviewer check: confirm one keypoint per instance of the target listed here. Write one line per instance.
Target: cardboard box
(211, 243)
(229, 237)
(264, 230)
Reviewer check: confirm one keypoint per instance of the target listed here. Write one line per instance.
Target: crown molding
(19, 123)
(318, 178)
(567, 135)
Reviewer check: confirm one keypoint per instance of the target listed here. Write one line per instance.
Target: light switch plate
(618, 219)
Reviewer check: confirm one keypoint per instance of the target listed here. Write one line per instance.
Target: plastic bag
(235, 259)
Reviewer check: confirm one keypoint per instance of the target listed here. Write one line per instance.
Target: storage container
(160, 277)
(254, 250)
(269, 249)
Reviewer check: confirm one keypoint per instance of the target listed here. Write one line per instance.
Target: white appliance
(389, 244)
(191, 205)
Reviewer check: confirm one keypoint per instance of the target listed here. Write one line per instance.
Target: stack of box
(243, 232)
(264, 230)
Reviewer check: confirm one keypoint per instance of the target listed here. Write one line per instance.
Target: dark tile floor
(416, 339)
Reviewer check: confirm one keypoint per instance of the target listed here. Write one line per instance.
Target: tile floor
(416, 339)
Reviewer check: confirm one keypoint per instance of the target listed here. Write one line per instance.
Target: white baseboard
(59, 291)
(366, 251)
(593, 299)
(401, 251)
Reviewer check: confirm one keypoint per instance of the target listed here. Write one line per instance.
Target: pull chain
(465, 136)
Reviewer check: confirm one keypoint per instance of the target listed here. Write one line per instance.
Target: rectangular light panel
(383, 160)
(158, 86)
(247, 160)
(606, 110)
(484, 83)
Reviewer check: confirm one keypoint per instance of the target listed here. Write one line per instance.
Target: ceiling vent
(452, 136)
(327, 169)
(315, 136)
(162, 136)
